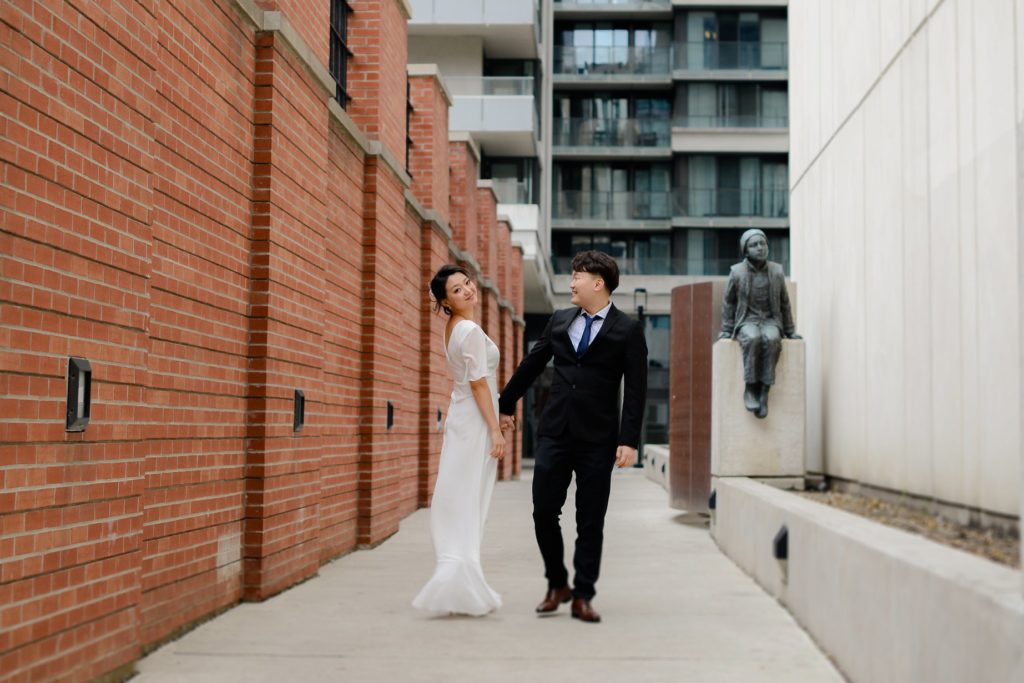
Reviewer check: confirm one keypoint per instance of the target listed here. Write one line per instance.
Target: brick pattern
(428, 157)
(182, 209)
(377, 71)
(198, 318)
(463, 172)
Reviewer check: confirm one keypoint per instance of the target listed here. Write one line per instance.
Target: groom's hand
(508, 423)
(625, 456)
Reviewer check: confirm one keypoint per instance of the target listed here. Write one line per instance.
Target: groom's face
(584, 287)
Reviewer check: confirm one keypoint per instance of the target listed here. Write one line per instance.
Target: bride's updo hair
(439, 285)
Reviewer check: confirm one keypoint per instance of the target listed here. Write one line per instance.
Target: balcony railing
(708, 203)
(628, 265)
(590, 3)
(597, 205)
(512, 191)
(732, 121)
(612, 61)
(591, 132)
(659, 265)
(470, 86)
(693, 203)
(708, 55)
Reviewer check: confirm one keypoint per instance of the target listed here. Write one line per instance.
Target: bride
(473, 443)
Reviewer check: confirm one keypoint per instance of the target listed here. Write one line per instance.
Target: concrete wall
(906, 242)
(887, 606)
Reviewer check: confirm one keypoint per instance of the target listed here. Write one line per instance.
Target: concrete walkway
(674, 609)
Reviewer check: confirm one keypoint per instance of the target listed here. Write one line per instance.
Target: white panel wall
(907, 242)
(462, 57)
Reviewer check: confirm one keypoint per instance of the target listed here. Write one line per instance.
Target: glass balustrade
(598, 205)
(591, 3)
(731, 121)
(590, 132)
(512, 191)
(611, 61)
(705, 55)
(480, 86)
(692, 202)
(660, 265)
(708, 203)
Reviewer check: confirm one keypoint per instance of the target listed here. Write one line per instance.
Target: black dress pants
(556, 460)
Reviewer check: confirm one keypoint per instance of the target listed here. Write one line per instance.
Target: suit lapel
(567, 324)
(613, 317)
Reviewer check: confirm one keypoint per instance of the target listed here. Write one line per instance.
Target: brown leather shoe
(554, 597)
(582, 610)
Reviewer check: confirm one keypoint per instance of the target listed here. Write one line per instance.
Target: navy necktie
(585, 339)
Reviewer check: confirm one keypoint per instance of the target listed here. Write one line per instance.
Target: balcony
(602, 9)
(594, 205)
(629, 265)
(510, 28)
(500, 112)
(586, 65)
(512, 191)
(739, 134)
(733, 121)
(720, 59)
(657, 265)
(704, 203)
(590, 137)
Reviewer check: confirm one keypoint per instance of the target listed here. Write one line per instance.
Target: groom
(594, 346)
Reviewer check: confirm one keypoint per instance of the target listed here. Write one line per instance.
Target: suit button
(573, 386)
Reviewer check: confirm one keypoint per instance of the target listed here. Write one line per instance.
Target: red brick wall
(198, 318)
(463, 173)
(428, 159)
(181, 208)
(377, 73)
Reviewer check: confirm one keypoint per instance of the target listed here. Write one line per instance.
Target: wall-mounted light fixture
(79, 406)
(299, 411)
(391, 415)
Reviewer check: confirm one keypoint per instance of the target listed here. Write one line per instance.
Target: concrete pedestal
(742, 445)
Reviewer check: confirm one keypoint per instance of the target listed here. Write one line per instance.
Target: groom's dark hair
(600, 264)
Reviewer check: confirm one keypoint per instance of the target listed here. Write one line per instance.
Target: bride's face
(461, 294)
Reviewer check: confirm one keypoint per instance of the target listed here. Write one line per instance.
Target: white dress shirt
(578, 323)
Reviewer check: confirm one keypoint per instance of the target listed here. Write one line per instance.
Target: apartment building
(492, 56)
(669, 139)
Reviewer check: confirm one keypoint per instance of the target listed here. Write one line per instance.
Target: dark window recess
(299, 411)
(408, 125)
(339, 49)
(79, 406)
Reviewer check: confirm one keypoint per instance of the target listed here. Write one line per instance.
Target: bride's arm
(485, 402)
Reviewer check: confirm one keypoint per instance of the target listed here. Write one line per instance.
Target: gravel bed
(994, 544)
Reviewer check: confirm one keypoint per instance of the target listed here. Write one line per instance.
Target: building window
(339, 49)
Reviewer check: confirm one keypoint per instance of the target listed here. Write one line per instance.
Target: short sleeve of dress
(473, 351)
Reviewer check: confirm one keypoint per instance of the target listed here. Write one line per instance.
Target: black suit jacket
(584, 399)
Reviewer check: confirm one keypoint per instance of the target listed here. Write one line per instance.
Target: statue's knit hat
(749, 235)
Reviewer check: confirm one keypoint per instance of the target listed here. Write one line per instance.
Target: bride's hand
(497, 444)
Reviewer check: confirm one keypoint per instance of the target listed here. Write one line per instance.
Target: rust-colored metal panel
(696, 320)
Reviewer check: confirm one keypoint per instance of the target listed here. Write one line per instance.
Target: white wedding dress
(465, 481)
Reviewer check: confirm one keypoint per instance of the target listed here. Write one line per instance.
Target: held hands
(497, 444)
(625, 456)
(508, 423)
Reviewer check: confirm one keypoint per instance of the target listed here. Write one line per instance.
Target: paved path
(674, 609)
